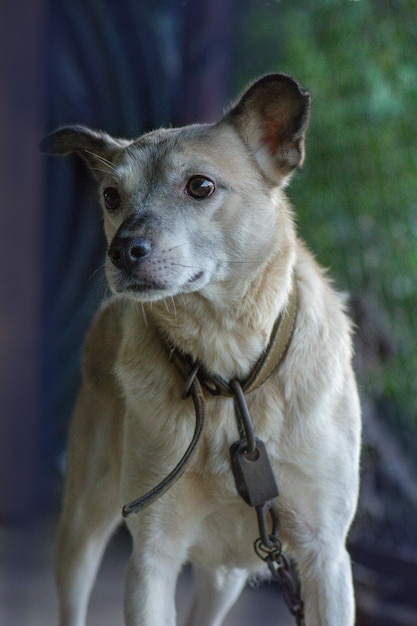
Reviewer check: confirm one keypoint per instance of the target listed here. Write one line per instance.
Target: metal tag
(254, 478)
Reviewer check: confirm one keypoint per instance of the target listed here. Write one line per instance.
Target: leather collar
(267, 363)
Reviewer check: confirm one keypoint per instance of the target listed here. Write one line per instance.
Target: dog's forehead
(165, 152)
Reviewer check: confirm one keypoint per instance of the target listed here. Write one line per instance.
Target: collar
(267, 363)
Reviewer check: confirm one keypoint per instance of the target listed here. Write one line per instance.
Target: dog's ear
(98, 149)
(272, 116)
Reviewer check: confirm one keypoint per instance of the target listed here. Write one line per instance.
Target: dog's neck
(228, 326)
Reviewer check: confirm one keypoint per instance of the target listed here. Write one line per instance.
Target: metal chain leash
(255, 483)
(268, 547)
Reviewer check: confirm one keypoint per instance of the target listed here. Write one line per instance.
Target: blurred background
(133, 65)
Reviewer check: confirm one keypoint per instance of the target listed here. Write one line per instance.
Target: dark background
(130, 66)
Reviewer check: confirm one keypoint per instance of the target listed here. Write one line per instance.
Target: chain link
(269, 549)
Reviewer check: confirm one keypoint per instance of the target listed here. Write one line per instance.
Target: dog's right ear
(97, 148)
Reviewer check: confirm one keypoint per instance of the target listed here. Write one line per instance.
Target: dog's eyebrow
(199, 165)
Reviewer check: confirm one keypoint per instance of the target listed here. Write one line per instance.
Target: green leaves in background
(356, 196)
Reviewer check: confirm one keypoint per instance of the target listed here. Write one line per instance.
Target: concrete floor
(27, 595)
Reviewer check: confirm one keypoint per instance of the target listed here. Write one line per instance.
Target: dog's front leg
(159, 551)
(150, 591)
(327, 588)
(215, 593)
(91, 509)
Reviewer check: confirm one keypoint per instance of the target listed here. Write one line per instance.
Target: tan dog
(202, 248)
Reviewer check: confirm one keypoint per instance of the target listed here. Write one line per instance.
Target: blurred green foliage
(356, 197)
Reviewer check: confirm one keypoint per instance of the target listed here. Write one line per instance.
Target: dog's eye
(111, 198)
(200, 187)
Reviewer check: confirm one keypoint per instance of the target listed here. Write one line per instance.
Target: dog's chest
(227, 536)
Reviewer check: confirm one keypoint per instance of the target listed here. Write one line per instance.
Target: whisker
(98, 169)
(188, 267)
(255, 263)
(107, 291)
(175, 247)
(99, 269)
(136, 306)
(145, 317)
(184, 302)
(109, 164)
(175, 310)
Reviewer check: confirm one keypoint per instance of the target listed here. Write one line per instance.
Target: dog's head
(190, 208)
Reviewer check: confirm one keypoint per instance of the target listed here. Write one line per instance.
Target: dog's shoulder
(319, 301)
(123, 351)
(318, 363)
(102, 343)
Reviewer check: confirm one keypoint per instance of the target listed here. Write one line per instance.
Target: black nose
(126, 252)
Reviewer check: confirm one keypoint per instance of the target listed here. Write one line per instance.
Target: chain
(256, 484)
(268, 548)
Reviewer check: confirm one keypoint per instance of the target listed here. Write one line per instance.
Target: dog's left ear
(272, 116)
(98, 149)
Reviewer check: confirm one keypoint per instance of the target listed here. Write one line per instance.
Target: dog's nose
(126, 252)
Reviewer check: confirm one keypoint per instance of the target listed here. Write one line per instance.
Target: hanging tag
(254, 478)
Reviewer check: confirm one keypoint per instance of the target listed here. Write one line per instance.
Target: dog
(203, 254)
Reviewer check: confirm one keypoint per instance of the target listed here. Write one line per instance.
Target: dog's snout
(126, 252)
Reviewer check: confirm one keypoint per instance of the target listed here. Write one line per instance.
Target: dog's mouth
(143, 287)
(196, 277)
